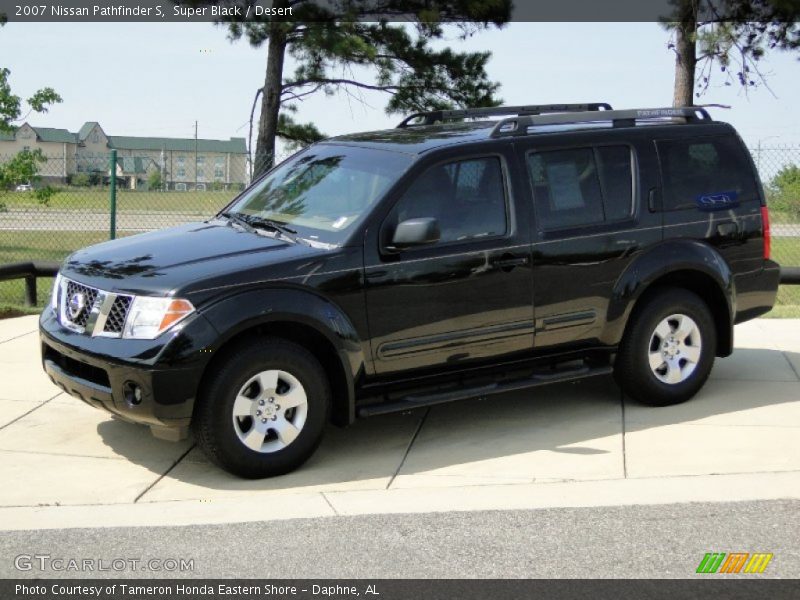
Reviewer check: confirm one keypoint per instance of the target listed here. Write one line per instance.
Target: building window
(180, 187)
(95, 137)
(181, 173)
(200, 187)
(181, 161)
(219, 168)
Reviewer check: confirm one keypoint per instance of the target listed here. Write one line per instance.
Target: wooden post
(30, 290)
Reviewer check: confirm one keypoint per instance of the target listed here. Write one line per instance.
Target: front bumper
(102, 371)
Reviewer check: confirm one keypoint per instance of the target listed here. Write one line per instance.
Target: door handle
(507, 262)
(727, 229)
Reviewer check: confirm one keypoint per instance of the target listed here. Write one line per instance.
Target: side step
(419, 400)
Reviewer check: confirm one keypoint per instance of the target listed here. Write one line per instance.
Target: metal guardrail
(29, 271)
(790, 275)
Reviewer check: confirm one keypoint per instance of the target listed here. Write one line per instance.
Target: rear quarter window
(705, 173)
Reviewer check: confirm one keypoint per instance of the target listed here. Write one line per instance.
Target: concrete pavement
(578, 445)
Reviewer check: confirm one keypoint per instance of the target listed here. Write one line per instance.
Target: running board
(420, 400)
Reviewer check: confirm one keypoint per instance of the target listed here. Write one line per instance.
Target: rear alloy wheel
(668, 349)
(263, 409)
(675, 349)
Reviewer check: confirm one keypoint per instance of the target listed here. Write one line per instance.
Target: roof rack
(619, 118)
(535, 109)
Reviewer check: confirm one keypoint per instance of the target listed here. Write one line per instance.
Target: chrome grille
(117, 315)
(78, 303)
(88, 310)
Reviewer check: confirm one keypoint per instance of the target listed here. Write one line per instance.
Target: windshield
(324, 191)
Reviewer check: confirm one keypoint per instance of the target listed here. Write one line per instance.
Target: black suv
(453, 257)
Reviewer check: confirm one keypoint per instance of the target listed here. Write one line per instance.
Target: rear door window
(705, 173)
(581, 186)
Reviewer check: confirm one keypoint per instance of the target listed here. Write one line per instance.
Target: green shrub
(154, 181)
(783, 192)
(44, 194)
(79, 179)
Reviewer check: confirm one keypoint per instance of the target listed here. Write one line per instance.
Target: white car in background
(24, 187)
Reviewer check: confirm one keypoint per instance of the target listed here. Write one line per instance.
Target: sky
(157, 79)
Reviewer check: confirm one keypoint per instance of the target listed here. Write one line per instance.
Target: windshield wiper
(254, 222)
(257, 221)
(236, 218)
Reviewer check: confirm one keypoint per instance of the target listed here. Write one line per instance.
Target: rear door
(591, 219)
(466, 298)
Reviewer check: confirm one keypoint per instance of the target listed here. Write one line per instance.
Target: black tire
(632, 368)
(213, 421)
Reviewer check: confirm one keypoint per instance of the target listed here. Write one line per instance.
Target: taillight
(767, 234)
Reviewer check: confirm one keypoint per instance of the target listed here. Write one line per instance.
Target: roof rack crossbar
(619, 118)
(429, 118)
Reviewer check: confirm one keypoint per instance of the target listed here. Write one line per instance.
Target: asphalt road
(665, 541)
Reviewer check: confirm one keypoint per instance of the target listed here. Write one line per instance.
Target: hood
(163, 261)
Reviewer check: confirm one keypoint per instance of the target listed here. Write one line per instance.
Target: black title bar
(190, 11)
(708, 588)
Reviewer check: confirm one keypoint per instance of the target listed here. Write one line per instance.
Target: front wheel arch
(302, 334)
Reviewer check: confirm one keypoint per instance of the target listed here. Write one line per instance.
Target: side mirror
(415, 232)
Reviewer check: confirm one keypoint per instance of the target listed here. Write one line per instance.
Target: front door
(466, 297)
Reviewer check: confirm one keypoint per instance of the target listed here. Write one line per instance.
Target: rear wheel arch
(708, 289)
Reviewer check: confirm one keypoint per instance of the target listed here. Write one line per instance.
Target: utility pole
(195, 155)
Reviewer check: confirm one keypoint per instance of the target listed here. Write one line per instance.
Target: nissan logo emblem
(77, 303)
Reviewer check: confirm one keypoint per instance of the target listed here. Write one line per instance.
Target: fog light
(132, 392)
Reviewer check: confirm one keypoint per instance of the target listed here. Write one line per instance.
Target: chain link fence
(53, 205)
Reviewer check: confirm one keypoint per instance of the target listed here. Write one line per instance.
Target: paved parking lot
(64, 464)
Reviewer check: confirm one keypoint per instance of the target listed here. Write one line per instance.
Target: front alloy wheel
(263, 408)
(270, 411)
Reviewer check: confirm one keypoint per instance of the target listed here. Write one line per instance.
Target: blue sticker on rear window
(717, 200)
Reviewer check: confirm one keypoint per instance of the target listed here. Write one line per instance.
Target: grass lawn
(786, 251)
(96, 199)
(17, 246)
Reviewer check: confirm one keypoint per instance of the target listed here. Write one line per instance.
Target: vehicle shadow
(570, 431)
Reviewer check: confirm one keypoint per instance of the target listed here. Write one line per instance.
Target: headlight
(54, 293)
(149, 317)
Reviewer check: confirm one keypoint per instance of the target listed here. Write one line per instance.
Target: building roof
(134, 165)
(49, 134)
(234, 145)
(86, 129)
(45, 134)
